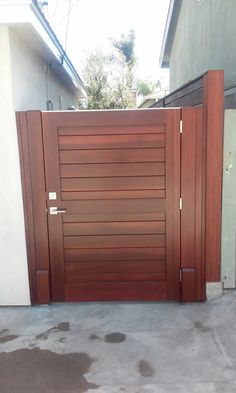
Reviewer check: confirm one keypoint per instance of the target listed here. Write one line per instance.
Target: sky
(93, 22)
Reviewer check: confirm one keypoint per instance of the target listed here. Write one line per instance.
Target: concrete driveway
(119, 347)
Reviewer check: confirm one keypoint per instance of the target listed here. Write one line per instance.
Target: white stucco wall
(22, 87)
(34, 83)
(14, 287)
(228, 267)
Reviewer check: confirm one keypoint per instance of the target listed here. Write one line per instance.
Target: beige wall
(14, 287)
(34, 83)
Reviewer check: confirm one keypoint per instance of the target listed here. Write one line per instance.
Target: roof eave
(60, 52)
(169, 32)
(27, 12)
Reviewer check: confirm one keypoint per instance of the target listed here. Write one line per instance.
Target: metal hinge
(180, 276)
(180, 203)
(181, 126)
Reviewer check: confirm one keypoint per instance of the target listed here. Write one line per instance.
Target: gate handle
(57, 210)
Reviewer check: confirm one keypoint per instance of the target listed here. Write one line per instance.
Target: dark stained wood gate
(116, 179)
(132, 192)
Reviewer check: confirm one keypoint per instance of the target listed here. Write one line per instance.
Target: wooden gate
(115, 204)
(115, 180)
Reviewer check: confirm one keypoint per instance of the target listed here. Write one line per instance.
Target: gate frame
(207, 91)
(210, 89)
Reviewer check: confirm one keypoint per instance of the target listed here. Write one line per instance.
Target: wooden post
(34, 198)
(213, 116)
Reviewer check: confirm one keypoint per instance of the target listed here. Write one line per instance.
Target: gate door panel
(113, 189)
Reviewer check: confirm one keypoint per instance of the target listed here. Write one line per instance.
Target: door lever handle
(57, 210)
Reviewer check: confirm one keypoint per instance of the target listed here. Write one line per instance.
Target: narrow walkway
(119, 348)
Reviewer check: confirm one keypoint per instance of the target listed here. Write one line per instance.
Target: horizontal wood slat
(111, 183)
(114, 228)
(96, 195)
(115, 118)
(71, 277)
(111, 141)
(96, 217)
(119, 206)
(107, 241)
(127, 291)
(113, 170)
(115, 254)
(112, 156)
(106, 267)
(111, 130)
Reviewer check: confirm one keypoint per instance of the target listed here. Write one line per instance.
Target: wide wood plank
(106, 267)
(115, 291)
(114, 241)
(97, 217)
(113, 170)
(71, 277)
(111, 141)
(111, 183)
(112, 156)
(130, 194)
(115, 118)
(111, 130)
(114, 228)
(114, 254)
(118, 206)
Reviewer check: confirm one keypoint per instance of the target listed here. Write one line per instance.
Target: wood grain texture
(213, 106)
(188, 287)
(111, 130)
(114, 170)
(207, 90)
(123, 291)
(54, 221)
(111, 141)
(172, 205)
(113, 183)
(27, 201)
(108, 195)
(43, 287)
(37, 174)
(192, 191)
(115, 217)
(33, 180)
(119, 206)
(113, 241)
(112, 156)
(109, 174)
(200, 247)
(114, 228)
(71, 276)
(121, 267)
(115, 254)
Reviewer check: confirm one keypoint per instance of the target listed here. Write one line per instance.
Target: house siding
(204, 40)
(34, 82)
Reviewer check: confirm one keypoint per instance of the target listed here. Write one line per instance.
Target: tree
(95, 77)
(109, 77)
(145, 88)
(148, 87)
